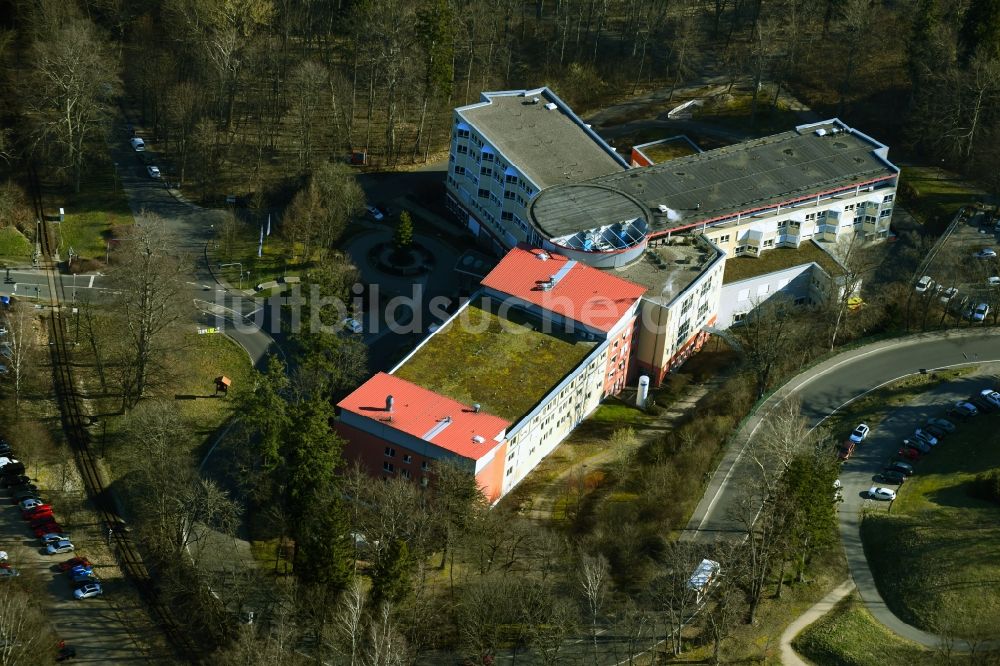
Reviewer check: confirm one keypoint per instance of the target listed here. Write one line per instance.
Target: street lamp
(114, 185)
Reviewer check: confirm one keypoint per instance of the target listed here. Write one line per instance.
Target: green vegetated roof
(778, 259)
(505, 364)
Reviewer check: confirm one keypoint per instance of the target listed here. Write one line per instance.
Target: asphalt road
(825, 388)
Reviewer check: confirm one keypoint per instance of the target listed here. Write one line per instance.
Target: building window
(425, 465)
(740, 249)
(487, 157)
(510, 470)
(459, 170)
(484, 194)
(723, 239)
(407, 458)
(739, 316)
(511, 178)
(388, 467)
(391, 452)
(509, 194)
(405, 473)
(810, 217)
(462, 133)
(495, 199)
(887, 198)
(507, 215)
(783, 224)
(769, 242)
(486, 171)
(885, 213)
(702, 310)
(462, 149)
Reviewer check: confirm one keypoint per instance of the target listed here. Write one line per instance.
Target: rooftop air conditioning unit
(551, 106)
(535, 100)
(821, 132)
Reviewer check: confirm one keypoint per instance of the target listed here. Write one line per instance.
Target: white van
(138, 145)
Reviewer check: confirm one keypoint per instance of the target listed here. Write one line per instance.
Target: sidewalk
(788, 655)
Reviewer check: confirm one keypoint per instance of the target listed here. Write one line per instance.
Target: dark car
(891, 476)
(899, 466)
(65, 653)
(5, 448)
(13, 469)
(22, 495)
(908, 453)
(9, 481)
(73, 562)
(917, 444)
(982, 404)
(936, 431)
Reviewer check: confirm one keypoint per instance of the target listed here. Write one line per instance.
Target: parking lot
(960, 275)
(102, 629)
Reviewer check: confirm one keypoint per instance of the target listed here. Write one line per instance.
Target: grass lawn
(732, 111)
(277, 260)
(479, 356)
(743, 268)
(849, 636)
(14, 247)
(669, 150)
(934, 195)
(91, 214)
(935, 556)
(619, 413)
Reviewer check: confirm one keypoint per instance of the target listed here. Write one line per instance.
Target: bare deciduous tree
(593, 578)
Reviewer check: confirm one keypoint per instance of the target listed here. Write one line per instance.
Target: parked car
(50, 526)
(83, 577)
(880, 493)
(986, 253)
(948, 294)
(979, 313)
(5, 461)
(991, 396)
(88, 590)
(924, 283)
(374, 213)
(860, 433)
(73, 562)
(925, 436)
(30, 503)
(908, 453)
(940, 433)
(982, 404)
(887, 476)
(21, 495)
(53, 537)
(13, 469)
(153, 171)
(58, 547)
(943, 424)
(922, 447)
(82, 569)
(353, 325)
(138, 145)
(9, 572)
(993, 281)
(8, 481)
(965, 408)
(41, 519)
(899, 466)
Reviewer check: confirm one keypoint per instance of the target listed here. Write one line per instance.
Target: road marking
(90, 285)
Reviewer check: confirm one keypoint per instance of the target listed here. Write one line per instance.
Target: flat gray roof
(551, 146)
(667, 270)
(753, 175)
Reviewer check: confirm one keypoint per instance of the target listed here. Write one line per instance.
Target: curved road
(825, 388)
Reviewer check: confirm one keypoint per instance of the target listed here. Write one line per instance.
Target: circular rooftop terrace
(590, 218)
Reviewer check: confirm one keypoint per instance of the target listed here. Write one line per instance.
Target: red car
(48, 528)
(910, 454)
(44, 513)
(41, 520)
(27, 514)
(74, 562)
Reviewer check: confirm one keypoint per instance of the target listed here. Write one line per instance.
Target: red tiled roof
(425, 415)
(581, 293)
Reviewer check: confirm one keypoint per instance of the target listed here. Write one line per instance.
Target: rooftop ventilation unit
(551, 106)
(821, 132)
(535, 100)
(388, 403)
(543, 256)
(547, 285)
(478, 439)
(476, 407)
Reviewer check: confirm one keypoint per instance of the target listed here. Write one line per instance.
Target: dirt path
(789, 657)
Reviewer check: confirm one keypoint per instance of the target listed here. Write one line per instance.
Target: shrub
(986, 486)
